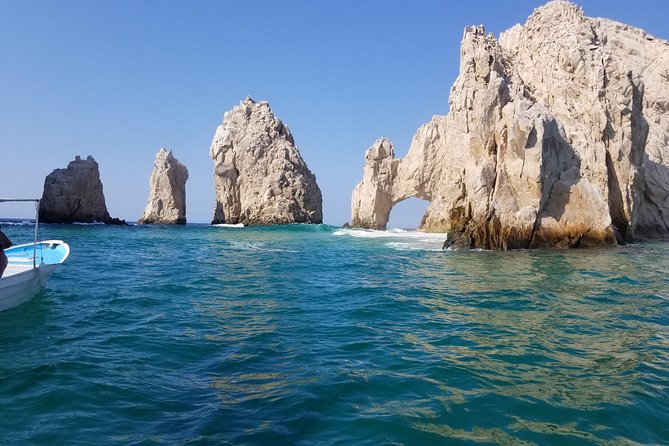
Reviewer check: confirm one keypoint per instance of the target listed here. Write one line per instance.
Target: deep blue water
(310, 335)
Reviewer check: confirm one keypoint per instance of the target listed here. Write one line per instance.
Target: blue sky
(121, 79)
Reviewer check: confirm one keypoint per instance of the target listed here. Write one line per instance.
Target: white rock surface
(546, 143)
(167, 191)
(259, 176)
(373, 197)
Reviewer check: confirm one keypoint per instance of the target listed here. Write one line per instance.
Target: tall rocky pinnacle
(259, 176)
(74, 195)
(167, 191)
(557, 136)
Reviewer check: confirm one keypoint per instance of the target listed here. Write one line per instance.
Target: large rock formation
(74, 195)
(557, 136)
(167, 191)
(259, 176)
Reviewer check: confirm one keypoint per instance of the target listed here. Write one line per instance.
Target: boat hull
(20, 287)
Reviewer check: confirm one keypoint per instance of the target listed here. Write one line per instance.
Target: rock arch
(408, 213)
(388, 181)
(555, 137)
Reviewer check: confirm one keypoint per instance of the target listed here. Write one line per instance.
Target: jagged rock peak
(260, 177)
(557, 10)
(167, 191)
(556, 137)
(74, 195)
(372, 197)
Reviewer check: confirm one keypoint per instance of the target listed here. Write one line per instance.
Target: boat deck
(13, 269)
(50, 253)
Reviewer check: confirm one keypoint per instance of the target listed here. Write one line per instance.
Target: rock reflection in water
(534, 324)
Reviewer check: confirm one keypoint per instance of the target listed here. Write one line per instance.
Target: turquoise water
(312, 335)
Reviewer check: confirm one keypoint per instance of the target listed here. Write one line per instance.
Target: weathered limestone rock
(546, 143)
(167, 196)
(74, 195)
(259, 176)
(373, 197)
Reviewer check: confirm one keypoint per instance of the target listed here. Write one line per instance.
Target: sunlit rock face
(74, 195)
(260, 177)
(557, 136)
(373, 196)
(167, 191)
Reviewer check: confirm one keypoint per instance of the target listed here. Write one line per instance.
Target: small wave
(95, 223)
(403, 240)
(229, 225)
(394, 232)
(400, 246)
(295, 227)
(397, 230)
(364, 233)
(17, 222)
(247, 246)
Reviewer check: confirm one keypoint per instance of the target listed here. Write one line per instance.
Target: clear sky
(121, 79)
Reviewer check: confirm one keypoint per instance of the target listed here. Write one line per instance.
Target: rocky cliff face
(555, 137)
(259, 176)
(74, 195)
(167, 191)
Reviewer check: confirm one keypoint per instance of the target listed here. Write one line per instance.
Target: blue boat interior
(47, 252)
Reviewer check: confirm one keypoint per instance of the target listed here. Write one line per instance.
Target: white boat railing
(36, 201)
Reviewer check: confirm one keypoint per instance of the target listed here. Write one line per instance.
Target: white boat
(29, 266)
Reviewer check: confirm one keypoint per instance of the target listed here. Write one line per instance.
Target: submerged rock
(546, 143)
(259, 176)
(167, 194)
(74, 195)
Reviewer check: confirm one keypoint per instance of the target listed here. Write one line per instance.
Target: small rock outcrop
(259, 176)
(167, 191)
(557, 136)
(74, 195)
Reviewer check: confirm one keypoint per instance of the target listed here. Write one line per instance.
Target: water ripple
(302, 335)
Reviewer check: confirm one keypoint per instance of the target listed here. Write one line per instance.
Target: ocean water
(314, 335)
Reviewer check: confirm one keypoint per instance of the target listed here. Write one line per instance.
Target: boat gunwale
(43, 242)
(20, 273)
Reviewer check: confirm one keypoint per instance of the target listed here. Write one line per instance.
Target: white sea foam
(246, 246)
(229, 225)
(413, 246)
(95, 223)
(403, 240)
(17, 222)
(397, 231)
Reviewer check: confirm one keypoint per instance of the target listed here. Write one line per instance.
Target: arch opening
(407, 214)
